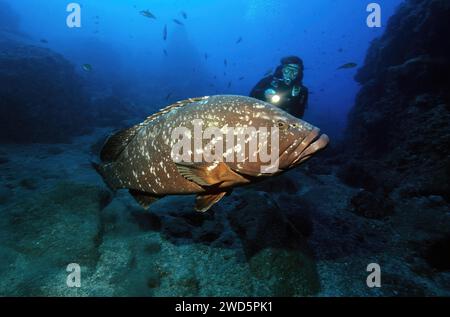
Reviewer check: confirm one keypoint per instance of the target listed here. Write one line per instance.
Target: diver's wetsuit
(294, 97)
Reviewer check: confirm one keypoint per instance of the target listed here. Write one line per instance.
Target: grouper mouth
(313, 143)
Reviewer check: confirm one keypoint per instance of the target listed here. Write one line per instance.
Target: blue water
(125, 48)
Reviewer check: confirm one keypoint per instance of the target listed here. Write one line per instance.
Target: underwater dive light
(275, 99)
(272, 96)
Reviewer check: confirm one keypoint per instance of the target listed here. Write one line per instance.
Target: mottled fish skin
(145, 164)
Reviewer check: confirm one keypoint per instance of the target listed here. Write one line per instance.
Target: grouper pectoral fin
(209, 174)
(205, 201)
(143, 199)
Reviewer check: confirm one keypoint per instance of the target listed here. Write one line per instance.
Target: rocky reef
(305, 241)
(398, 133)
(396, 149)
(43, 98)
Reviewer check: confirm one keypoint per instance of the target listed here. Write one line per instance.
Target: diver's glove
(272, 96)
(296, 91)
(269, 93)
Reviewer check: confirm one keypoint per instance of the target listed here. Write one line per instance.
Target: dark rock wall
(399, 129)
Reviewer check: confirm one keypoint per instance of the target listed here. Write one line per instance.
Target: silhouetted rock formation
(41, 96)
(399, 129)
(9, 20)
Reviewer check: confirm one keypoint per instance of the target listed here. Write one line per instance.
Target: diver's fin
(208, 174)
(117, 142)
(205, 201)
(143, 199)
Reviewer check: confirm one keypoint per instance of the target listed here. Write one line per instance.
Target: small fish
(215, 77)
(268, 72)
(239, 40)
(165, 52)
(168, 95)
(340, 50)
(225, 62)
(87, 67)
(206, 57)
(241, 78)
(140, 160)
(165, 32)
(178, 22)
(147, 14)
(44, 41)
(348, 66)
(229, 84)
(224, 73)
(184, 15)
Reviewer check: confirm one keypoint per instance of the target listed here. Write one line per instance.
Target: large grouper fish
(141, 158)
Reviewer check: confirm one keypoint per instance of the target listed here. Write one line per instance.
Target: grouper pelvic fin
(209, 174)
(117, 142)
(205, 201)
(143, 199)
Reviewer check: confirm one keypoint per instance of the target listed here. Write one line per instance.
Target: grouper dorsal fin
(117, 142)
(174, 106)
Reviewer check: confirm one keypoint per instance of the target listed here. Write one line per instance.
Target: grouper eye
(282, 125)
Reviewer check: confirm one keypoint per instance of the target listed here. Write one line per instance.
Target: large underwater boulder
(41, 96)
(399, 128)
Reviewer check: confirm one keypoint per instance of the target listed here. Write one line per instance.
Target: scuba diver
(285, 88)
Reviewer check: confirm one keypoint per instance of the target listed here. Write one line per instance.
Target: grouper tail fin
(107, 173)
(117, 142)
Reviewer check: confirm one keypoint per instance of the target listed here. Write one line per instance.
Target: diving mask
(290, 72)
